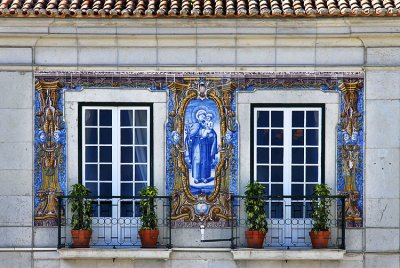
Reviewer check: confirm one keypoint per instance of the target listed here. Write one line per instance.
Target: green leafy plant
(148, 215)
(321, 207)
(255, 207)
(80, 207)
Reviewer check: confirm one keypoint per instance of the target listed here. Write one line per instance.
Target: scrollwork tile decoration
(201, 123)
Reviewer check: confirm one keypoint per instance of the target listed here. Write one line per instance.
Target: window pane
(312, 118)
(310, 189)
(140, 154)
(105, 154)
(308, 209)
(91, 154)
(297, 209)
(297, 155)
(262, 173)
(298, 137)
(277, 155)
(276, 119)
(262, 155)
(126, 155)
(277, 174)
(141, 172)
(126, 172)
(126, 118)
(140, 136)
(298, 173)
(106, 172)
(312, 173)
(266, 189)
(312, 155)
(90, 135)
(126, 189)
(298, 189)
(91, 172)
(139, 187)
(297, 119)
(91, 118)
(95, 208)
(126, 136)
(312, 136)
(277, 210)
(140, 118)
(105, 189)
(92, 188)
(105, 118)
(276, 189)
(105, 135)
(276, 137)
(262, 119)
(105, 209)
(263, 137)
(126, 209)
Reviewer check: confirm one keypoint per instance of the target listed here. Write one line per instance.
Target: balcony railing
(116, 222)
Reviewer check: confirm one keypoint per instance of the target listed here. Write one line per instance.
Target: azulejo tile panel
(201, 124)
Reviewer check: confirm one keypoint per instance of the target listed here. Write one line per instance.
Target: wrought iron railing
(289, 222)
(116, 221)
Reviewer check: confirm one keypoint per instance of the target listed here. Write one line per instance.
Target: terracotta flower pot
(81, 238)
(149, 238)
(320, 239)
(255, 239)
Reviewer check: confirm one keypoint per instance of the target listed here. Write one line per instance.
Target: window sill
(95, 253)
(294, 254)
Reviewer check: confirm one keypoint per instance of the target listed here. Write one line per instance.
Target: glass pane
(312, 136)
(276, 119)
(277, 155)
(90, 135)
(140, 154)
(95, 208)
(276, 189)
(105, 209)
(298, 189)
(297, 209)
(298, 173)
(105, 189)
(266, 189)
(90, 117)
(276, 137)
(126, 155)
(312, 119)
(277, 174)
(106, 172)
(308, 210)
(91, 154)
(105, 154)
(262, 173)
(312, 155)
(262, 155)
(126, 136)
(310, 189)
(276, 210)
(140, 118)
(126, 189)
(126, 209)
(91, 172)
(312, 174)
(263, 137)
(92, 188)
(297, 155)
(298, 137)
(105, 135)
(126, 172)
(105, 118)
(139, 187)
(126, 118)
(297, 119)
(141, 172)
(140, 136)
(137, 209)
(262, 119)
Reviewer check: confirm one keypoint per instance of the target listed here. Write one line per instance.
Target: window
(115, 156)
(287, 152)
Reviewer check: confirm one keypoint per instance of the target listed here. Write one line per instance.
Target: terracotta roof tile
(198, 8)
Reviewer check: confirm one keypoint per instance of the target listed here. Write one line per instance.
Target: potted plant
(81, 221)
(256, 216)
(148, 232)
(321, 206)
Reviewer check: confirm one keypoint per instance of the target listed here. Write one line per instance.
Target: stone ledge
(308, 254)
(133, 254)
